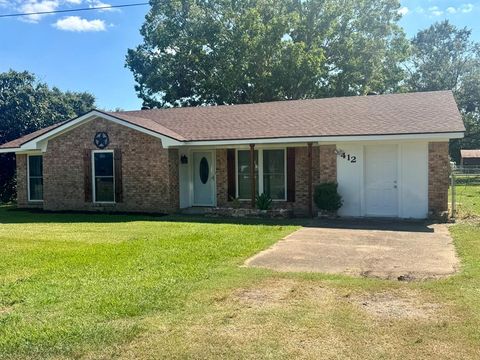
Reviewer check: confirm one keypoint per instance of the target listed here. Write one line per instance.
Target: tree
(27, 105)
(445, 58)
(199, 52)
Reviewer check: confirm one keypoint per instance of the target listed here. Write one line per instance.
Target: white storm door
(381, 180)
(203, 179)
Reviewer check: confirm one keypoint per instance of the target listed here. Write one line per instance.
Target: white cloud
(28, 6)
(37, 6)
(435, 11)
(98, 3)
(466, 8)
(419, 10)
(403, 11)
(451, 10)
(76, 23)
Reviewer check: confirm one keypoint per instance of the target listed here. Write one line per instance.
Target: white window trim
(28, 179)
(260, 171)
(93, 177)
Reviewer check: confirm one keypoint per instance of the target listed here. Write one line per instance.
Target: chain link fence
(462, 179)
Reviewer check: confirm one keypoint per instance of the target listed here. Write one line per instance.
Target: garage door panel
(381, 180)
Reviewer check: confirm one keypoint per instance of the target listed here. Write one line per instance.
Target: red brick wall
(174, 179)
(22, 198)
(438, 177)
(221, 176)
(149, 172)
(300, 206)
(328, 163)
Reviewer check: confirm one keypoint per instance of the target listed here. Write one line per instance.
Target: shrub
(263, 202)
(235, 202)
(327, 198)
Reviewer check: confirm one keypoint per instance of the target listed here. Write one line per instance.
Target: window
(103, 176)
(35, 178)
(270, 173)
(244, 181)
(274, 174)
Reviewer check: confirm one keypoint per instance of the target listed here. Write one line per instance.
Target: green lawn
(114, 286)
(468, 200)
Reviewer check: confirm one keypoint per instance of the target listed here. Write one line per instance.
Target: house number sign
(348, 157)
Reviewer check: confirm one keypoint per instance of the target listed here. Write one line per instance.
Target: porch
(220, 178)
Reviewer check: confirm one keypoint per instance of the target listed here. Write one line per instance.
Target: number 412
(348, 157)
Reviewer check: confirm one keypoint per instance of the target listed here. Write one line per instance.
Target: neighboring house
(470, 157)
(388, 153)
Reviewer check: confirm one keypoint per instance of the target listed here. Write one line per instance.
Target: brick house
(388, 154)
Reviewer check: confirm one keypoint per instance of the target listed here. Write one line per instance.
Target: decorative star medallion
(101, 140)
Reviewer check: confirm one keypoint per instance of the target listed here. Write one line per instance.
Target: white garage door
(381, 180)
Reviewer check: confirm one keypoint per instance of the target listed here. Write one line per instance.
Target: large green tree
(199, 52)
(444, 57)
(26, 105)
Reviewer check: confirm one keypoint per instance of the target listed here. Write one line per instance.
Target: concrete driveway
(403, 251)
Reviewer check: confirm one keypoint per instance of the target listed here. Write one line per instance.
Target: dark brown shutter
(118, 176)
(232, 193)
(87, 174)
(291, 174)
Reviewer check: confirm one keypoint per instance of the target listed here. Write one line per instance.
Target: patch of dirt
(280, 292)
(395, 304)
(268, 293)
(5, 310)
(404, 305)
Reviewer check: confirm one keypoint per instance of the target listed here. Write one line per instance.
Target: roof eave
(437, 136)
(9, 150)
(37, 143)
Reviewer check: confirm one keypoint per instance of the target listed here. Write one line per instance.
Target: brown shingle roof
(411, 113)
(470, 153)
(22, 140)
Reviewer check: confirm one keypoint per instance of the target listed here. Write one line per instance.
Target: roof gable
(37, 139)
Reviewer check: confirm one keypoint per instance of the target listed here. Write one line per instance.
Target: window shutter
(291, 174)
(232, 193)
(118, 176)
(87, 173)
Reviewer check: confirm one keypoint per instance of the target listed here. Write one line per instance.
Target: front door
(381, 190)
(203, 179)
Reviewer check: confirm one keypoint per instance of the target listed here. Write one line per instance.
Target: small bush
(263, 202)
(327, 198)
(236, 204)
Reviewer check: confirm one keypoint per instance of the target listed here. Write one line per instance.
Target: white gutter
(329, 139)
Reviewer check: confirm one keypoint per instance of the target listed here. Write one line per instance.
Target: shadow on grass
(12, 215)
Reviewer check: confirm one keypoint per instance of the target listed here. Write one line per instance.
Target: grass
(468, 200)
(115, 286)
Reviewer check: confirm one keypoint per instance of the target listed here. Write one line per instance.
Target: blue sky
(85, 51)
